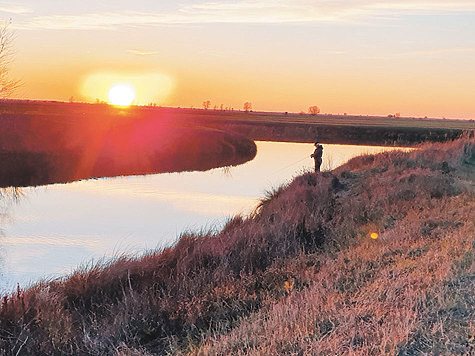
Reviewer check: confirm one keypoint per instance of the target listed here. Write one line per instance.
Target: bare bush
(7, 85)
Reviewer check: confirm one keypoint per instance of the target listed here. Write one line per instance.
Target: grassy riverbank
(299, 276)
(39, 148)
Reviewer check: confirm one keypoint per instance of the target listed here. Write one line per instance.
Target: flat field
(270, 126)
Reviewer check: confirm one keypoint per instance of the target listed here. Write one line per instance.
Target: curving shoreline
(301, 269)
(36, 149)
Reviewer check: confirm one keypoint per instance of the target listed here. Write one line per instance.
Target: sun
(121, 94)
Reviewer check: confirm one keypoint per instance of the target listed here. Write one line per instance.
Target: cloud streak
(142, 53)
(14, 9)
(437, 51)
(245, 11)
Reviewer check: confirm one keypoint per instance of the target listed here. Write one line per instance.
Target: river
(47, 232)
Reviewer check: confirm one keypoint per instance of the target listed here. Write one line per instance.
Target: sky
(413, 57)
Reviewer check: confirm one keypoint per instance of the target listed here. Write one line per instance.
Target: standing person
(317, 156)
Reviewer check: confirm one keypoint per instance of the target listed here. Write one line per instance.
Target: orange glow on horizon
(125, 89)
(366, 76)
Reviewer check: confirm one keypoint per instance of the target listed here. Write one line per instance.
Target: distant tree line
(247, 106)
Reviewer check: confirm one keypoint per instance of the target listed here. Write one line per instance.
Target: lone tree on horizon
(7, 85)
(247, 106)
(313, 110)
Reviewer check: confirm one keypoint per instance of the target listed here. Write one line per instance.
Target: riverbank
(41, 145)
(300, 275)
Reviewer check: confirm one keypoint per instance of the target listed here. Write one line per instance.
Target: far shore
(41, 145)
(262, 126)
(56, 142)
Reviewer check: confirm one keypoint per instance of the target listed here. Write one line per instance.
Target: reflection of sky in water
(54, 229)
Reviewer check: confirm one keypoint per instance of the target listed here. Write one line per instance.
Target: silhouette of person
(317, 156)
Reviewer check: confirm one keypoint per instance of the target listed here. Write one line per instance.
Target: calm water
(49, 231)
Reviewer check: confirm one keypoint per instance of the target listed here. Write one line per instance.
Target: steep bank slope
(300, 276)
(410, 292)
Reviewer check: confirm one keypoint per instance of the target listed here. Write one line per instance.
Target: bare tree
(206, 104)
(7, 85)
(314, 110)
(247, 106)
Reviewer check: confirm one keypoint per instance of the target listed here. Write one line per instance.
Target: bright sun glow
(146, 87)
(121, 94)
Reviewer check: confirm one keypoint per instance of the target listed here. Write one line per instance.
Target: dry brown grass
(299, 276)
(365, 300)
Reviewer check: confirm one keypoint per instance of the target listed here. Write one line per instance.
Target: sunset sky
(416, 57)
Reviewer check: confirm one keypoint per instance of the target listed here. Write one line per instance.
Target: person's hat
(316, 143)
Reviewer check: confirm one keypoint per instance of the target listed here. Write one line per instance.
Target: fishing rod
(290, 165)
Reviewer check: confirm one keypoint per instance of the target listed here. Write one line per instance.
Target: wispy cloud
(142, 53)
(14, 9)
(335, 52)
(245, 11)
(435, 53)
(430, 52)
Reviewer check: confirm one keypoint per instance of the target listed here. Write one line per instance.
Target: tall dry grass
(299, 276)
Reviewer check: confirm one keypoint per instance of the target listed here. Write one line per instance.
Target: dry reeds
(299, 276)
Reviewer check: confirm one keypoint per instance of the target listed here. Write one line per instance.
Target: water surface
(49, 231)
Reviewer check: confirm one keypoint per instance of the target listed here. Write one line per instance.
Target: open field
(77, 110)
(363, 130)
(299, 276)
